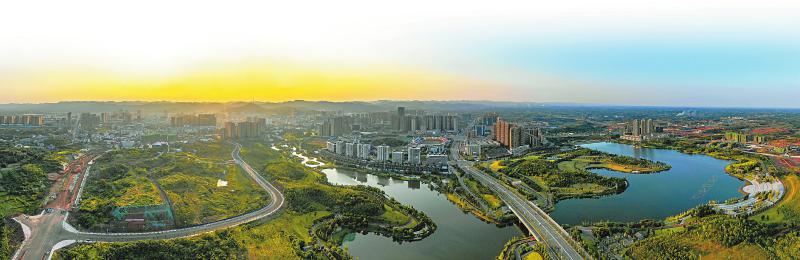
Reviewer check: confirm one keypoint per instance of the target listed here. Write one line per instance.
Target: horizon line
(405, 100)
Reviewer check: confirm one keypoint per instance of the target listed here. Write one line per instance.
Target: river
(458, 235)
(693, 180)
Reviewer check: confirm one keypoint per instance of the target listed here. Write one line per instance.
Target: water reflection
(693, 180)
(413, 184)
(458, 235)
(383, 180)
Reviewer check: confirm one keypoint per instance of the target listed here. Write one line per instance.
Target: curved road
(50, 229)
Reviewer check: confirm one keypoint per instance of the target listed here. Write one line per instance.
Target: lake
(458, 235)
(693, 180)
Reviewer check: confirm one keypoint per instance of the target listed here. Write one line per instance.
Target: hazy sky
(695, 53)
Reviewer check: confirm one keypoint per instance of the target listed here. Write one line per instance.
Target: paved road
(539, 224)
(48, 229)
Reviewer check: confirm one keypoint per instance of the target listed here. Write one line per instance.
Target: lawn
(585, 162)
(394, 217)
(573, 165)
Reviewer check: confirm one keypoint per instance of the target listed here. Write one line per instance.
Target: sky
(625, 52)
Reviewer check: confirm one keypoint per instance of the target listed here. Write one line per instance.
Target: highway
(51, 229)
(538, 223)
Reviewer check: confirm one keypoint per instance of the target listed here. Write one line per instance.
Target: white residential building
(397, 157)
(350, 150)
(363, 150)
(383, 153)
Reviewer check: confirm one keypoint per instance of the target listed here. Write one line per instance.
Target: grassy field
(197, 199)
(10, 204)
(395, 217)
(139, 191)
(586, 162)
(189, 180)
(669, 230)
(278, 238)
(788, 209)
(580, 189)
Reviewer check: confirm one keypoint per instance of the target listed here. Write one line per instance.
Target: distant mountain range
(302, 106)
(259, 107)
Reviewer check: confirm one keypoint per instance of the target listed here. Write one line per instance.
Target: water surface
(458, 235)
(693, 180)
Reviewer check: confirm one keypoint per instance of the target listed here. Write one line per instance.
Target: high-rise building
(744, 138)
(330, 146)
(399, 120)
(33, 120)
(397, 157)
(126, 116)
(105, 118)
(325, 128)
(25, 120)
(513, 136)
(383, 153)
(340, 126)
(241, 130)
(414, 155)
(490, 119)
(340, 147)
(363, 150)
(636, 128)
(89, 121)
(350, 150)
(193, 120)
(231, 130)
(640, 129)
